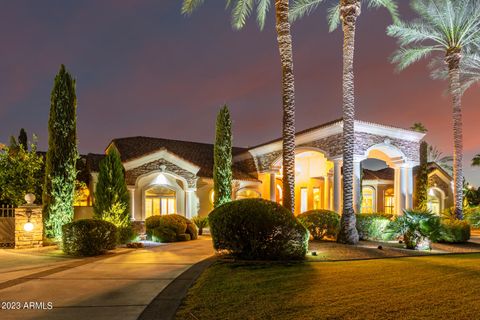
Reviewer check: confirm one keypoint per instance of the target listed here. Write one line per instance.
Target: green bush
(258, 229)
(321, 223)
(183, 237)
(169, 228)
(88, 237)
(126, 234)
(454, 231)
(373, 226)
(418, 228)
(472, 216)
(200, 222)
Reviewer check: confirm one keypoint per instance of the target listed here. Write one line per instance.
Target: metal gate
(7, 226)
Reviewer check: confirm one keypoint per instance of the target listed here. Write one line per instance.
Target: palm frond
(333, 17)
(476, 161)
(301, 8)
(413, 33)
(241, 12)
(262, 9)
(188, 6)
(404, 57)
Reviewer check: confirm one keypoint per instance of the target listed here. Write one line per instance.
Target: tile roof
(382, 174)
(199, 154)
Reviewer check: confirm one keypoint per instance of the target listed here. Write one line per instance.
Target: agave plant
(418, 229)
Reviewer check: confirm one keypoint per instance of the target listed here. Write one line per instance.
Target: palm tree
(347, 12)
(450, 28)
(437, 156)
(241, 10)
(419, 127)
(476, 161)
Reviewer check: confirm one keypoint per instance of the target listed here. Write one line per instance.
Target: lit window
(246, 193)
(81, 196)
(317, 198)
(368, 200)
(160, 200)
(433, 202)
(389, 197)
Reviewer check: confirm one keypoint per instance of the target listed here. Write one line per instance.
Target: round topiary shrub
(126, 234)
(88, 237)
(257, 229)
(170, 228)
(454, 231)
(373, 226)
(321, 223)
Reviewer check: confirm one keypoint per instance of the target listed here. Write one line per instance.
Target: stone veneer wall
(34, 238)
(132, 175)
(332, 146)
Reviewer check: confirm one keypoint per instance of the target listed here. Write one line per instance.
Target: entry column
(337, 185)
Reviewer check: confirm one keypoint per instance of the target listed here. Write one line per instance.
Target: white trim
(392, 132)
(162, 154)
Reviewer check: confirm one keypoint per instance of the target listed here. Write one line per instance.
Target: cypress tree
(23, 139)
(111, 195)
(422, 178)
(222, 167)
(62, 155)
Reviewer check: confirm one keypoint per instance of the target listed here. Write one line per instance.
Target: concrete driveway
(117, 286)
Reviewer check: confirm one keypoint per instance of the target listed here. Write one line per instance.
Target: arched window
(389, 201)
(246, 193)
(160, 200)
(368, 200)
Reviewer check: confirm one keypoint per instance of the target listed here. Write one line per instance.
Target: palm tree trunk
(453, 59)
(349, 11)
(284, 39)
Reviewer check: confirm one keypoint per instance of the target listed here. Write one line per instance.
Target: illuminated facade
(166, 176)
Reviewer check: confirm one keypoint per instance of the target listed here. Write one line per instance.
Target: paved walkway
(116, 286)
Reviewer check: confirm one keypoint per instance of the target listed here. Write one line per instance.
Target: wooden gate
(7, 226)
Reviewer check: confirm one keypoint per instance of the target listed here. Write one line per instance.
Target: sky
(144, 69)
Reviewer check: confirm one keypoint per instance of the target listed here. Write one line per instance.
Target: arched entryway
(313, 180)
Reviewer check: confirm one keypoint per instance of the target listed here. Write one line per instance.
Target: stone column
(326, 193)
(409, 187)
(33, 238)
(400, 189)
(272, 186)
(337, 185)
(191, 203)
(357, 187)
(132, 203)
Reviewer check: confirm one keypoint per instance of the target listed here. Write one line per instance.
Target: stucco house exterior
(170, 176)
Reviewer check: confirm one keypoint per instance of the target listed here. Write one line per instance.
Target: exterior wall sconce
(28, 226)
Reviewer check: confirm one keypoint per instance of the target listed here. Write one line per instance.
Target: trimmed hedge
(170, 228)
(454, 231)
(373, 226)
(126, 234)
(257, 229)
(321, 223)
(88, 237)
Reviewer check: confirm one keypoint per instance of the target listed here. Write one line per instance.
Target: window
(433, 201)
(389, 200)
(81, 196)
(368, 200)
(246, 193)
(317, 198)
(160, 200)
(303, 199)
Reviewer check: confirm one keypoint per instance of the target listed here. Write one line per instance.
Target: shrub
(183, 237)
(418, 228)
(472, 216)
(126, 234)
(200, 222)
(168, 228)
(88, 237)
(373, 226)
(454, 231)
(258, 229)
(321, 223)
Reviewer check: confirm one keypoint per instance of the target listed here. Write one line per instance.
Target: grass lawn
(433, 287)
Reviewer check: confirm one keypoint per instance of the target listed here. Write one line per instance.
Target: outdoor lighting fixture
(29, 198)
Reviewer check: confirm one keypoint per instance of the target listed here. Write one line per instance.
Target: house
(170, 176)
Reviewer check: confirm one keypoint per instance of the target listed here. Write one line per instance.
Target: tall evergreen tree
(112, 200)
(222, 166)
(62, 155)
(23, 139)
(422, 178)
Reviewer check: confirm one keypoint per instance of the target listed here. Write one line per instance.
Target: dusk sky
(144, 69)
